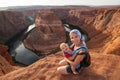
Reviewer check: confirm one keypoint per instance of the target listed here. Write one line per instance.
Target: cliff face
(5, 67)
(98, 22)
(11, 23)
(103, 26)
(48, 34)
(113, 27)
(4, 53)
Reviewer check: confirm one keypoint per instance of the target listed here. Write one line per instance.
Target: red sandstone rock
(12, 22)
(103, 67)
(48, 34)
(4, 53)
(5, 67)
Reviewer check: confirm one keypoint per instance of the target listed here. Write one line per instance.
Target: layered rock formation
(100, 23)
(5, 67)
(13, 23)
(4, 53)
(48, 34)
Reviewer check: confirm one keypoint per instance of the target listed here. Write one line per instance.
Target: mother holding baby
(82, 58)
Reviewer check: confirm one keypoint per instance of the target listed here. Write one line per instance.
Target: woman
(81, 60)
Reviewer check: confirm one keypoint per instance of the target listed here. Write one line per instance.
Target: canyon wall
(100, 23)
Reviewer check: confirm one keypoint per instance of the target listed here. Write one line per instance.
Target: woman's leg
(73, 68)
(62, 69)
(63, 62)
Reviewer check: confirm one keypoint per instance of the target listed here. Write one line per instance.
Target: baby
(67, 52)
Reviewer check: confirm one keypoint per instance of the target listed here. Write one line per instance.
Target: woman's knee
(58, 69)
(62, 70)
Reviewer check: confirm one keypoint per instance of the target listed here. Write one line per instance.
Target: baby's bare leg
(63, 62)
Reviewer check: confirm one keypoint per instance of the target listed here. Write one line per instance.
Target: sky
(6, 3)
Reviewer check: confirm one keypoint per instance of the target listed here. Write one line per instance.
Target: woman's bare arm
(78, 58)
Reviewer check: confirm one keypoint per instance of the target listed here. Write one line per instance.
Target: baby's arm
(69, 61)
(72, 57)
